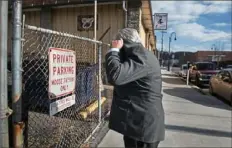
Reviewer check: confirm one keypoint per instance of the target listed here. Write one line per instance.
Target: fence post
(4, 111)
(95, 30)
(99, 82)
(17, 74)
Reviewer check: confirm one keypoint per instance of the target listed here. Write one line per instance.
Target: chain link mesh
(70, 127)
(108, 89)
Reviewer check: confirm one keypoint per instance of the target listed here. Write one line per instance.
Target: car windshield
(229, 66)
(184, 67)
(205, 66)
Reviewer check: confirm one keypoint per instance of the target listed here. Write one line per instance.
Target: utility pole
(170, 40)
(16, 64)
(222, 49)
(4, 110)
(162, 45)
(214, 50)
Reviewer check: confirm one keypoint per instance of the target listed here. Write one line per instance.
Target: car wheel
(198, 81)
(211, 90)
(231, 100)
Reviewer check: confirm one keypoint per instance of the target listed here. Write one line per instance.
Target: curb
(195, 87)
(97, 136)
(192, 85)
(198, 89)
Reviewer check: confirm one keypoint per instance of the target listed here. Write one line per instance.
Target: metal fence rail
(71, 126)
(4, 110)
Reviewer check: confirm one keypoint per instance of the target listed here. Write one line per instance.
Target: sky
(198, 25)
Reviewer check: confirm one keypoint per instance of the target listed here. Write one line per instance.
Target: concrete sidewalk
(192, 119)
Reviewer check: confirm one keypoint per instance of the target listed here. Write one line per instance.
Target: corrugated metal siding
(31, 18)
(65, 20)
(142, 30)
(150, 48)
(143, 34)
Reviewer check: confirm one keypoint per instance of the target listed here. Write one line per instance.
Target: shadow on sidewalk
(169, 75)
(200, 131)
(173, 80)
(196, 97)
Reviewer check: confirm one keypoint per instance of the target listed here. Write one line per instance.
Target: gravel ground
(65, 130)
(45, 131)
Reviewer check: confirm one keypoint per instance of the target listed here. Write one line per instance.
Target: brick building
(202, 56)
(206, 56)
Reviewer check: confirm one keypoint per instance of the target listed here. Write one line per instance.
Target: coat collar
(131, 48)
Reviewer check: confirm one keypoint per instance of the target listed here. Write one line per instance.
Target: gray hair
(128, 34)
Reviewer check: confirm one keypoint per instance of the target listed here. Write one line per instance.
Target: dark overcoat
(136, 110)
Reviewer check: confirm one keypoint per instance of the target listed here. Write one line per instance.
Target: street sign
(61, 104)
(161, 21)
(62, 72)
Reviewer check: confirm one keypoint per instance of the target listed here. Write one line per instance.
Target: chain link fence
(72, 124)
(108, 88)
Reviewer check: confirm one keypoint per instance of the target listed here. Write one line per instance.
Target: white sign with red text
(61, 104)
(62, 72)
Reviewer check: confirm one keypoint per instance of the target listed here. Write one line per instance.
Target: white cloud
(177, 12)
(200, 33)
(182, 17)
(227, 46)
(221, 45)
(218, 6)
(188, 11)
(159, 46)
(182, 47)
(221, 24)
(170, 30)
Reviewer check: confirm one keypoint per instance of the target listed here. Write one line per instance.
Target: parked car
(201, 72)
(221, 84)
(228, 66)
(184, 70)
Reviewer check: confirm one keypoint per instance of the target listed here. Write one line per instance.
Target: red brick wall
(228, 56)
(204, 55)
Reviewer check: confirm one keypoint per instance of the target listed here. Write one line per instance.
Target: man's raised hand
(117, 44)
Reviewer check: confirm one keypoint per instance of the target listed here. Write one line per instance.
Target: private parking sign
(62, 72)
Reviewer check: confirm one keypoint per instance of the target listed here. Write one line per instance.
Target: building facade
(77, 17)
(212, 56)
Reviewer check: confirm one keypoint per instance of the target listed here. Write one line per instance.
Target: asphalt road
(192, 119)
(202, 89)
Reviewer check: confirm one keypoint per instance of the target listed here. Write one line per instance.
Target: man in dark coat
(137, 110)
